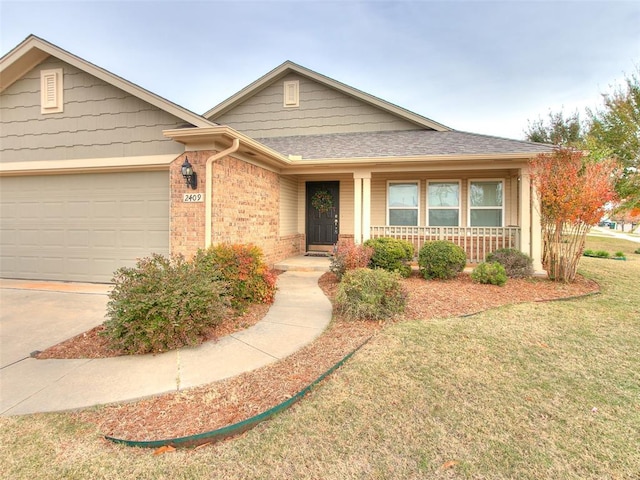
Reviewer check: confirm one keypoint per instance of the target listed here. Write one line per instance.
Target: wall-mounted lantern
(189, 175)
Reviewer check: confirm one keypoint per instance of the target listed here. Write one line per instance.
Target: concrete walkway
(299, 314)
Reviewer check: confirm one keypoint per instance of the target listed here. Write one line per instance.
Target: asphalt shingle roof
(398, 144)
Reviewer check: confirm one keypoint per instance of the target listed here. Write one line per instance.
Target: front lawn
(528, 391)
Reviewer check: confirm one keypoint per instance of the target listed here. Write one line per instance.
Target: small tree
(572, 193)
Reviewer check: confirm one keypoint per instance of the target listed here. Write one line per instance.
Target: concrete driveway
(37, 315)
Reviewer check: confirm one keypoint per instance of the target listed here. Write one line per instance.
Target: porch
(477, 242)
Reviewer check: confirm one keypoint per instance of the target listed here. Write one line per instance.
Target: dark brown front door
(323, 202)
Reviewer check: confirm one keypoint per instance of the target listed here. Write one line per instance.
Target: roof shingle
(398, 144)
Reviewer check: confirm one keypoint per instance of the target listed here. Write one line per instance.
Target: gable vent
(51, 91)
(292, 93)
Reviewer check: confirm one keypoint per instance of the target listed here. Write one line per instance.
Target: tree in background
(612, 131)
(567, 132)
(572, 193)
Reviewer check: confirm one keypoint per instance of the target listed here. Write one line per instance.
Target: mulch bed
(222, 403)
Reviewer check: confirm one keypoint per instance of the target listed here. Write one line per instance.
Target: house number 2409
(193, 197)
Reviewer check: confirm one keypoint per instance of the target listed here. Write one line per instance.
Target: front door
(322, 215)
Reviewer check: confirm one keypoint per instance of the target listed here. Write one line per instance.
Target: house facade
(91, 171)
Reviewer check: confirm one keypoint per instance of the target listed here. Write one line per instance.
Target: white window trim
(291, 94)
(459, 207)
(469, 207)
(388, 207)
(51, 100)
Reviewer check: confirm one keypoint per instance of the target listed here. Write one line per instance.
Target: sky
(476, 66)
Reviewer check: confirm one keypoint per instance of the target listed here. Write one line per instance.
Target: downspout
(209, 188)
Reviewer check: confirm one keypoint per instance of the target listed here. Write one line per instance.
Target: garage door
(81, 227)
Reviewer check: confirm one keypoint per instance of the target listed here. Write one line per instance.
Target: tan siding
(322, 110)
(346, 205)
(99, 120)
(288, 206)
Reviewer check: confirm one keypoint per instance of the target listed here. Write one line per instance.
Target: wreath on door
(322, 201)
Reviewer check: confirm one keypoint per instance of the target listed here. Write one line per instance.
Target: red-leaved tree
(572, 193)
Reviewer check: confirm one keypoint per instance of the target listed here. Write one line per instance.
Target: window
(51, 91)
(403, 203)
(485, 203)
(443, 200)
(292, 93)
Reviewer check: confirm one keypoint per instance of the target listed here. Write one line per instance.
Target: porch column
(362, 206)
(536, 234)
(357, 210)
(530, 229)
(525, 212)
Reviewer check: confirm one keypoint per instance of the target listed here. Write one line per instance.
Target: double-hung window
(443, 200)
(486, 203)
(402, 203)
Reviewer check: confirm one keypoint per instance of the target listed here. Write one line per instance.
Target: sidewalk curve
(299, 314)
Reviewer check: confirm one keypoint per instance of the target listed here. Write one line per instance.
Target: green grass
(509, 393)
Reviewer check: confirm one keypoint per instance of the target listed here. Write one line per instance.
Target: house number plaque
(193, 198)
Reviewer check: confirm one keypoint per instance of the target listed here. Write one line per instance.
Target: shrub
(370, 294)
(516, 264)
(619, 254)
(162, 304)
(350, 256)
(596, 253)
(441, 259)
(242, 267)
(492, 273)
(637, 250)
(391, 254)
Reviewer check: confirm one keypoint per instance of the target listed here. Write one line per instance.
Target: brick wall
(245, 208)
(187, 219)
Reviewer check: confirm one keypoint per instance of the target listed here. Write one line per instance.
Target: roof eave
(427, 162)
(223, 136)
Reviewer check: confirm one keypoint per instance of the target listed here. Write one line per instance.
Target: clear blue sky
(485, 67)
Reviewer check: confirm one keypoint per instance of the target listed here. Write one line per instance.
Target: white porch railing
(477, 242)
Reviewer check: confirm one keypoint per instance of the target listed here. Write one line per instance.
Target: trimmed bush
(516, 264)
(163, 304)
(350, 256)
(596, 253)
(391, 254)
(637, 250)
(370, 294)
(441, 259)
(241, 266)
(492, 273)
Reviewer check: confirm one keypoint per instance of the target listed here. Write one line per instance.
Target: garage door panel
(29, 210)
(78, 238)
(72, 210)
(29, 238)
(53, 236)
(81, 227)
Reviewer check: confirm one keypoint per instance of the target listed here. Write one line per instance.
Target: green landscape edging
(236, 428)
